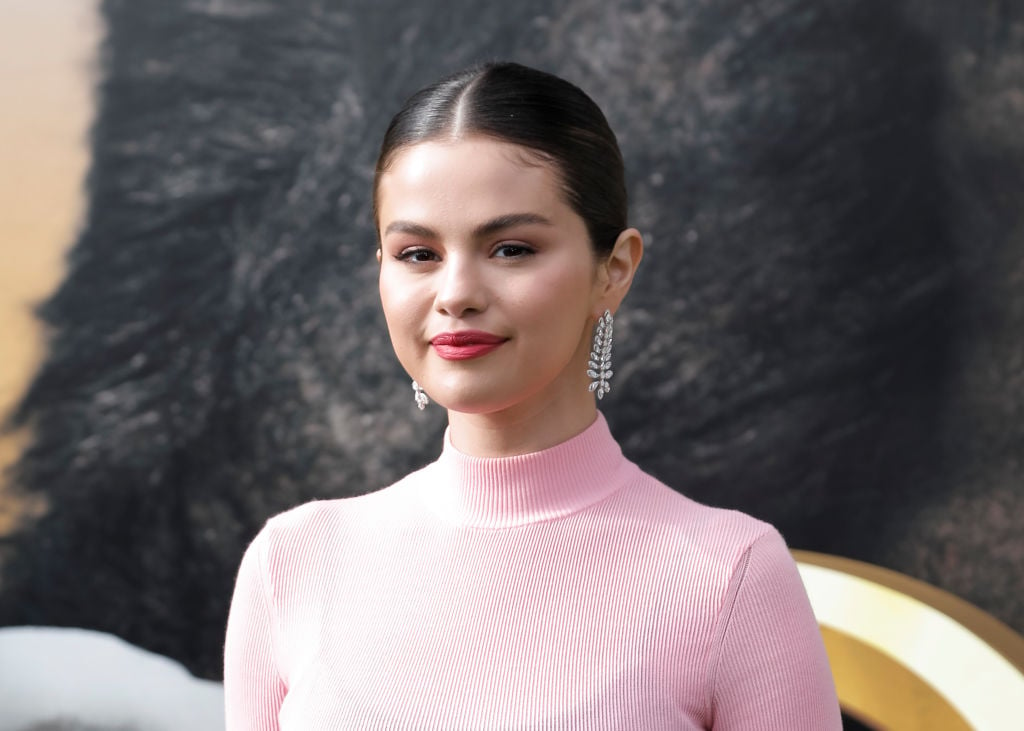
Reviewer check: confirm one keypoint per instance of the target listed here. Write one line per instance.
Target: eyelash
(523, 249)
(408, 255)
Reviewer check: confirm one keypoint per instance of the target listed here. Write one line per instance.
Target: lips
(465, 344)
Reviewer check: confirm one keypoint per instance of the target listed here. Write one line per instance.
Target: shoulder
(319, 526)
(718, 538)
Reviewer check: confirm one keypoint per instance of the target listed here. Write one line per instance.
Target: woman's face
(488, 281)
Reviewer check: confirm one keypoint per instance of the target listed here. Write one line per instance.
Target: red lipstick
(465, 344)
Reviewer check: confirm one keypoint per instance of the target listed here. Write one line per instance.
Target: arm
(769, 670)
(253, 688)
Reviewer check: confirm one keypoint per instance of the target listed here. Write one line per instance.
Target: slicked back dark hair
(539, 111)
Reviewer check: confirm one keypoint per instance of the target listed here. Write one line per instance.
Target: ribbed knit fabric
(559, 590)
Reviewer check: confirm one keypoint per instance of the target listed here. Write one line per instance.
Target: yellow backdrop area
(48, 53)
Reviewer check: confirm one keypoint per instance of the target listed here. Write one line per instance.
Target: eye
(512, 250)
(417, 255)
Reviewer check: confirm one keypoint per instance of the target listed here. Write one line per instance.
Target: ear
(616, 275)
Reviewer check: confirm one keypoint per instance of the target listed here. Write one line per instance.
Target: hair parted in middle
(541, 112)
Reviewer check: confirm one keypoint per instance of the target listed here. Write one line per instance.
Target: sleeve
(768, 669)
(253, 687)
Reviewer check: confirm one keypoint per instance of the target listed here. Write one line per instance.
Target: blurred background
(826, 331)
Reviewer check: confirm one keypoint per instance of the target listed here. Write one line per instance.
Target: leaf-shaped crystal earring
(420, 397)
(599, 367)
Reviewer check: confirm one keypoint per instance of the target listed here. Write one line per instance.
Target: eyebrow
(485, 229)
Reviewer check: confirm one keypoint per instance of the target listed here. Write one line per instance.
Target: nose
(461, 289)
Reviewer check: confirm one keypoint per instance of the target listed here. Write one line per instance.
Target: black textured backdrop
(826, 331)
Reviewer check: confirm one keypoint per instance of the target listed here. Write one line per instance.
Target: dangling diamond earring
(420, 397)
(599, 367)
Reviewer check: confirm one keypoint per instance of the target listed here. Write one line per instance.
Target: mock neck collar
(503, 492)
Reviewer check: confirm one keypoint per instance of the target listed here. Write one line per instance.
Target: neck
(537, 486)
(523, 430)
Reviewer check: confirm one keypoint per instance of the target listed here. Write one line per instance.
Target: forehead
(469, 178)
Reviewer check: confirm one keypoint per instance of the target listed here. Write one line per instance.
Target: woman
(531, 577)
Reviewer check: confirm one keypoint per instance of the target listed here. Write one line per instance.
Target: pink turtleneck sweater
(559, 590)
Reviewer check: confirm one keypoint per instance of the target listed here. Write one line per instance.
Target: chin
(475, 400)
(466, 405)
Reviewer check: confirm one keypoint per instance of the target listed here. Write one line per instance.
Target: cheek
(399, 307)
(557, 297)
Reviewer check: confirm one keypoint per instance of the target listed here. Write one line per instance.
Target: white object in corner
(96, 679)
